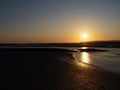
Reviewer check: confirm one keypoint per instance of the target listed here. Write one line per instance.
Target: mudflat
(49, 70)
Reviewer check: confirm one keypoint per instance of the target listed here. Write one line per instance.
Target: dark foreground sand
(39, 70)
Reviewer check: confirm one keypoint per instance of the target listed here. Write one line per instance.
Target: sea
(108, 60)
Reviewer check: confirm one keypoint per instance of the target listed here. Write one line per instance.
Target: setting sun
(84, 36)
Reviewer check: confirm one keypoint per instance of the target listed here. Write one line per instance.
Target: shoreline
(98, 67)
(48, 71)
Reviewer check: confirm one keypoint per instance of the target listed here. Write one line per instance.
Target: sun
(84, 36)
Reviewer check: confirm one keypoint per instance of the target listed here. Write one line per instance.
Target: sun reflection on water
(85, 58)
(84, 47)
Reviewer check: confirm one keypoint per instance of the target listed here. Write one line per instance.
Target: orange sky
(58, 21)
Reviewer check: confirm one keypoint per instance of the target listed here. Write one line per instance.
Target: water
(109, 60)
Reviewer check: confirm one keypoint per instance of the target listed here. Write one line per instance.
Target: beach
(51, 69)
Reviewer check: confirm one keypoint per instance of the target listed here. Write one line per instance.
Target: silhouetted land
(107, 44)
(33, 69)
(92, 50)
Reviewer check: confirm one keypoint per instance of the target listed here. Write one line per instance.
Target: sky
(57, 21)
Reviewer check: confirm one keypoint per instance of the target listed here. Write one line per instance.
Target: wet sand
(50, 70)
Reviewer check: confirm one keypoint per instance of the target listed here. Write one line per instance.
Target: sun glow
(84, 36)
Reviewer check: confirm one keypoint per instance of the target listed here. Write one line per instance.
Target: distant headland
(106, 44)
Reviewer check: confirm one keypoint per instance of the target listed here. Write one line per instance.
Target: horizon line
(61, 42)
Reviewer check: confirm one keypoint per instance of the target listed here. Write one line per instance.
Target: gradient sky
(41, 21)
